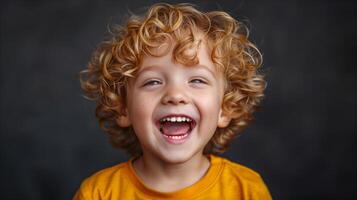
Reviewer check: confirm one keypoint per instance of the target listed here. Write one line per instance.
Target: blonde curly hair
(118, 58)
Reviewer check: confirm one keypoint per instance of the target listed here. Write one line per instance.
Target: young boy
(173, 87)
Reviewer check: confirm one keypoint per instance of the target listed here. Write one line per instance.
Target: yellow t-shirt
(223, 180)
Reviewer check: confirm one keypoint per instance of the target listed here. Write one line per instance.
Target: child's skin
(161, 88)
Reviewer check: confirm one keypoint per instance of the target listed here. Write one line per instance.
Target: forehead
(197, 57)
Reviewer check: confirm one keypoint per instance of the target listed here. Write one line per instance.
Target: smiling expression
(166, 93)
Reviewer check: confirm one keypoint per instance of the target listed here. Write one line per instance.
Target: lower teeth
(176, 137)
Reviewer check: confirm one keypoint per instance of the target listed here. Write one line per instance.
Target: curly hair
(118, 59)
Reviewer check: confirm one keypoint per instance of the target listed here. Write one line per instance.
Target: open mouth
(176, 128)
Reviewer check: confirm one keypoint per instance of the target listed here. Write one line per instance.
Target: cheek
(138, 102)
(210, 100)
(209, 106)
(140, 112)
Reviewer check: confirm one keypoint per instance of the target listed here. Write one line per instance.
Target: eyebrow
(150, 68)
(208, 69)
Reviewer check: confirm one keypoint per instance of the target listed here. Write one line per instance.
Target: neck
(167, 177)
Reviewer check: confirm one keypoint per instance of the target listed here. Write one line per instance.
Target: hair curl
(117, 59)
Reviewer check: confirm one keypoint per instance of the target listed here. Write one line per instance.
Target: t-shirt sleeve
(78, 195)
(251, 185)
(83, 191)
(259, 190)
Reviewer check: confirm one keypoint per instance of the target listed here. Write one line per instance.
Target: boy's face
(163, 89)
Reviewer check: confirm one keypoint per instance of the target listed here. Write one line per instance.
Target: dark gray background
(303, 141)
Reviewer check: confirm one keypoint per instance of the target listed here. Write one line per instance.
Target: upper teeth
(176, 119)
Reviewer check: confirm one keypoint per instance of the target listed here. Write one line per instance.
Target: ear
(223, 119)
(123, 120)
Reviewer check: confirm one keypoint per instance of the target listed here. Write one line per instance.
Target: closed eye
(196, 80)
(152, 82)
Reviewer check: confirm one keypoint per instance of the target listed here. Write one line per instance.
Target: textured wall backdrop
(303, 141)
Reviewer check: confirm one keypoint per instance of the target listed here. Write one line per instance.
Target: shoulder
(247, 179)
(99, 182)
(105, 175)
(240, 171)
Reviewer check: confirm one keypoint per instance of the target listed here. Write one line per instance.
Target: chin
(177, 156)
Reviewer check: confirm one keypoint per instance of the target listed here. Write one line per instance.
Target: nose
(175, 95)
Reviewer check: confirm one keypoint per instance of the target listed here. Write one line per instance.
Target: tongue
(175, 128)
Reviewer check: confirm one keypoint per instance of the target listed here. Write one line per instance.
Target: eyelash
(157, 82)
(200, 81)
(151, 82)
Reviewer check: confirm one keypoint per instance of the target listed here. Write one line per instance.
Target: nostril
(177, 102)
